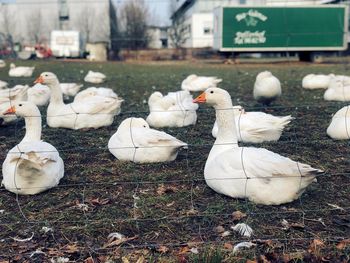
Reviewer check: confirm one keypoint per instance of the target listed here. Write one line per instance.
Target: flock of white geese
(260, 175)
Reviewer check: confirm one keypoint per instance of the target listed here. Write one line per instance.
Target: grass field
(166, 211)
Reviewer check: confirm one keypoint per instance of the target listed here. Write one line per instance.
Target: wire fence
(168, 206)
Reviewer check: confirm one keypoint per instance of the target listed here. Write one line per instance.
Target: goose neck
(226, 138)
(225, 117)
(56, 93)
(33, 127)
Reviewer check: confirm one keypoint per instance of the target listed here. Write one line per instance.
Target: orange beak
(11, 110)
(40, 79)
(200, 99)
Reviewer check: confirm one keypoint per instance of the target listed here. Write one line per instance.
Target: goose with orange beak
(262, 176)
(253, 127)
(92, 113)
(32, 166)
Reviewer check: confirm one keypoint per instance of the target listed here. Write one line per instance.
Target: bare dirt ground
(165, 211)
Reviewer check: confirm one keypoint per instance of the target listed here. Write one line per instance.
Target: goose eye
(144, 126)
(20, 105)
(211, 92)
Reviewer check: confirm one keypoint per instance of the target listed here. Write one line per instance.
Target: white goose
(95, 77)
(77, 115)
(173, 110)
(2, 63)
(199, 83)
(70, 89)
(256, 127)
(93, 91)
(317, 81)
(136, 141)
(32, 166)
(18, 92)
(267, 88)
(20, 71)
(94, 94)
(3, 84)
(262, 176)
(338, 90)
(339, 128)
(39, 94)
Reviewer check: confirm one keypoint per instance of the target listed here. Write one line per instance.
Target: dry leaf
(191, 212)
(193, 244)
(162, 189)
(263, 259)
(125, 260)
(238, 215)
(181, 259)
(170, 204)
(89, 260)
(184, 250)
(117, 242)
(98, 201)
(70, 248)
(225, 234)
(228, 246)
(194, 250)
(293, 256)
(315, 245)
(342, 244)
(251, 261)
(163, 249)
(219, 229)
(140, 260)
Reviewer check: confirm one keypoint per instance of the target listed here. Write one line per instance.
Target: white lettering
(248, 37)
(251, 13)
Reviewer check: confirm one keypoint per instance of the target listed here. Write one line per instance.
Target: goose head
(216, 97)
(133, 123)
(23, 109)
(155, 96)
(191, 77)
(47, 78)
(344, 112)
(12, 66)
(263, 75)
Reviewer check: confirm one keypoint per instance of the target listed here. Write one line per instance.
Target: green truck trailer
(308, 30)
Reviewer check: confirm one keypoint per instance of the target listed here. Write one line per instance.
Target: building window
(206, 30)
(164, 43)
(207, 27)
(242, 2)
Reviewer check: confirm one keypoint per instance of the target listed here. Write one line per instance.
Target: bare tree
(34, 24)
(134, 17)
(178, 32)
(114, 30)
(8, 24)
(85, 22)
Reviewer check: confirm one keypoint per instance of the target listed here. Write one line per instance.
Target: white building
(197, 16)
(29, 22)
(158, 37)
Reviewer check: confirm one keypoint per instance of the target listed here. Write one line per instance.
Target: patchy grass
(166, 211)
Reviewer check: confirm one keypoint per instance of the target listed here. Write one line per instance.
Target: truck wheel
(309, 56)
(305, 56)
